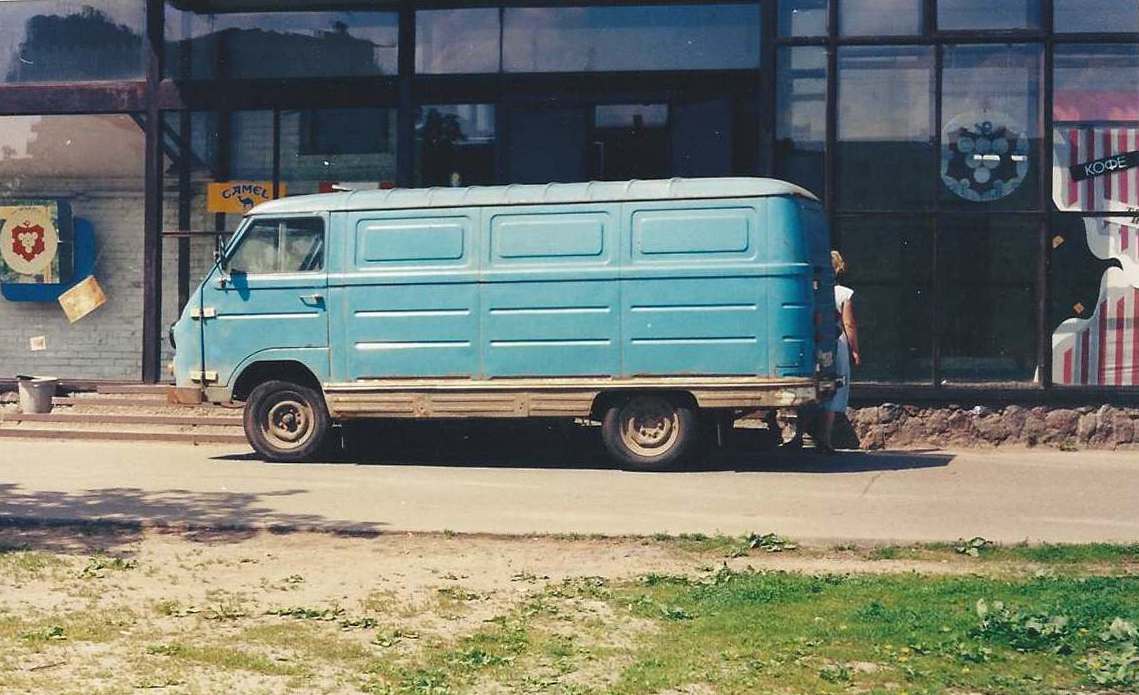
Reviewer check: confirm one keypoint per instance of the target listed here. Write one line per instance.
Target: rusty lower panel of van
(561, 397)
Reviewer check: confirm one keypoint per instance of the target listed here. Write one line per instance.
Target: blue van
(652, 307)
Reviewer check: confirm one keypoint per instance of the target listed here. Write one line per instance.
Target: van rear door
(814, 226)
(269, 294)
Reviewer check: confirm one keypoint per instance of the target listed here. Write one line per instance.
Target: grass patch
(747, 632)
(227, 659)
(22, 565)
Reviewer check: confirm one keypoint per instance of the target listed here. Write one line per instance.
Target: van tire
(286, 422)
(650, 432)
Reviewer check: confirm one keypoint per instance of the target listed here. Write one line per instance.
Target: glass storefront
(986, 208)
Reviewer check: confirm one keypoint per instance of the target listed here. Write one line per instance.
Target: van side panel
(550, 293)
(406, 299)
(693, 291)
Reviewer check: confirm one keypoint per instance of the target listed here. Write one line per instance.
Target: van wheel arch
(608, 399)
(273, 370)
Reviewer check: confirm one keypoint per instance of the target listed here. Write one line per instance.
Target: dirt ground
(99, 610)
(87, 610)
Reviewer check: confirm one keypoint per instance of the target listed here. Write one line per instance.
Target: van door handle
(312, 298)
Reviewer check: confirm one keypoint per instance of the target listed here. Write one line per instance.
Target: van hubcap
(649, 426)
(288, 423)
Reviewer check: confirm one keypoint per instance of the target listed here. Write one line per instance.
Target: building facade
(979, 160)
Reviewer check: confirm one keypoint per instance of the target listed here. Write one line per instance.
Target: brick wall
(107, 343)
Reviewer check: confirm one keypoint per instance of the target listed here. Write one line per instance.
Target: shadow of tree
(111, 519)
(554, 445)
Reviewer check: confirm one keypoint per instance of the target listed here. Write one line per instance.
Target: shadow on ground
(545, 445)
(111, 519)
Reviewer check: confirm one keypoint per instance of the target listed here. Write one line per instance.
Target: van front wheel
(285, 422)
(649, 432)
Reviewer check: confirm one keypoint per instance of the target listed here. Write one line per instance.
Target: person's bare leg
(828, 427)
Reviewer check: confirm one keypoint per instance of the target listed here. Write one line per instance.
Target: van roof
(518, 194)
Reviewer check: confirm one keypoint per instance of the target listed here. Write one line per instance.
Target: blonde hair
(838, 263)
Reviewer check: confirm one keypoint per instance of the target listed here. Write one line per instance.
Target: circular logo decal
(984, 156)
(28, 239)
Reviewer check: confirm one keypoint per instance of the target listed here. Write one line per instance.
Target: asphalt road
(546, 482)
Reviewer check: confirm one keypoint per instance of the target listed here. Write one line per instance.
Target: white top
(842, 295)
(592, 192)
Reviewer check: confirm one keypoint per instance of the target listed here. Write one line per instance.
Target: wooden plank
(138, 401)
(211, 421)
(148, 389)
(103, 435)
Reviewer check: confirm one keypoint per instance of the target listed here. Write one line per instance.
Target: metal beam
(71, 97)
(152, 226)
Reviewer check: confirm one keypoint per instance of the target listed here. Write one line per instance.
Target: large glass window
(1096, 82)
(455, 145)
(990, 134)
(1096, 15)
(70, 40)
(93, 165)
(889, 265)
(987, 298)
(1096, 118)
(280, 44)
(879, 17)
(802, 17)
(457, 41)
(959, 15)
(665, 37)
(800, 125)
(353, 148)
(885, 154)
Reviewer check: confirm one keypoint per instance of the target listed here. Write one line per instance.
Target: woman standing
(846, 354)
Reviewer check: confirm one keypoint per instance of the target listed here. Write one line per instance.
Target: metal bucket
(36, 393)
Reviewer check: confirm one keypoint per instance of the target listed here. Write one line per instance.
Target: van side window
(293, 245)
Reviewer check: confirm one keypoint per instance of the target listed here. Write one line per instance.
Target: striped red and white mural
(1102, 350)
(1080, 144)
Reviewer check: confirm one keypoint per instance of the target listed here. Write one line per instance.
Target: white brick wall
(107, 344)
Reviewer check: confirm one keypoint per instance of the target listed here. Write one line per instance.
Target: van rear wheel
(285, 422)
(649, 432)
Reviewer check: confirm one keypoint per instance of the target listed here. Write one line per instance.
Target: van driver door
(269, 298)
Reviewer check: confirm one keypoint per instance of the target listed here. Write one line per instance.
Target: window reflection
(802, 17)
(956, 15)
(889, 267)
(1096, 15)
(63, 40)
(457, 41)
(879, 17)
(987, 268)
(280, 44)
(800, 127)
(649, 37)
(1097, 83)
(455, 145)
(885, 153)
(353, 148)
(990, 110)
